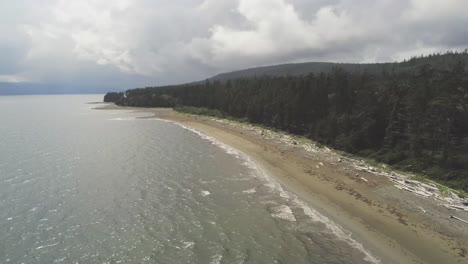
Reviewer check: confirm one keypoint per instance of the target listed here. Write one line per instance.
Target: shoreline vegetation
(398, 225)
(371, 164)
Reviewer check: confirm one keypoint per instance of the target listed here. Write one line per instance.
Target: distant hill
(438, 62)
(23, 88)
(298, 69)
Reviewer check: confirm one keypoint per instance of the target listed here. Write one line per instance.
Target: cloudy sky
(123, 44)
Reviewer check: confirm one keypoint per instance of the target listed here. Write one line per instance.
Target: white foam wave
(253, 190)
(60, 260)
(336, 230)
(205, 193)
(188, 245)
(284, 211)
(47, 246)
(216, 259)
(144, 116)
(122, 119)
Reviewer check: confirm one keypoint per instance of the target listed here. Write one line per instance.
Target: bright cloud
(129, 43)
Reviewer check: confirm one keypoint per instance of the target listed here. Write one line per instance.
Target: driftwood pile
(428, 190)
(448, 199)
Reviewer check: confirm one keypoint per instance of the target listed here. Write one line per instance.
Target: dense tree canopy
(413, 115)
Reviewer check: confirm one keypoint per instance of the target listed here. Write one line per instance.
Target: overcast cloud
(130, 43)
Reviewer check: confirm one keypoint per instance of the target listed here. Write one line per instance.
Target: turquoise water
(79, 185)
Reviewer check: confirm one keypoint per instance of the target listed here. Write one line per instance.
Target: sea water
(79, 185)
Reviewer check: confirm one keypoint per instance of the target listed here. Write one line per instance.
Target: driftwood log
(459, 219)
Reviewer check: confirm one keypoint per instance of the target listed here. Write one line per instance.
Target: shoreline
(388, 221)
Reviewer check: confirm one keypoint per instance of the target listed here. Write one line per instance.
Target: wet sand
(394, 225)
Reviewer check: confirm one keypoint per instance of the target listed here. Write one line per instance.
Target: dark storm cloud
(125, 43)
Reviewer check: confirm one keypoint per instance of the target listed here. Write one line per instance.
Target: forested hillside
(413, 114)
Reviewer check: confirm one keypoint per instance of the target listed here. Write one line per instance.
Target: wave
(284, 211)
(143, 116)
(47, 246)
(123, 119)
(188, 245)
(253, 190)
(216, 259)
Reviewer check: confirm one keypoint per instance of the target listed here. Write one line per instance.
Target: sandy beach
(397, 226)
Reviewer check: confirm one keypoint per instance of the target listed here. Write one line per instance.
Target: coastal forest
(412, 115)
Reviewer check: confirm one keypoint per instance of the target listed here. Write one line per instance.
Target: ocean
(79, 185)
